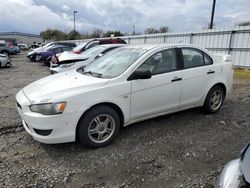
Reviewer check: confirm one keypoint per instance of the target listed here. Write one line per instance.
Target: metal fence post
(191, 38)
(230, 41)
(145, 40)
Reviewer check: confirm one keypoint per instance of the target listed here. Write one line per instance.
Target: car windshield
(79, 47)
(113, 64)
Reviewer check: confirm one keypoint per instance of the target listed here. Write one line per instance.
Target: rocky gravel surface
(185, 149)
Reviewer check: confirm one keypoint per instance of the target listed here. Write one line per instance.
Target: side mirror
(140, 74)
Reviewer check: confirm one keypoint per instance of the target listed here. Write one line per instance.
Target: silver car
(72, 60)
(4, 61)
(236, 173)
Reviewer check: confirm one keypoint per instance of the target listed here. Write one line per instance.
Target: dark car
(8, 49)
(45, 56)
(86, 45)
(4, 49)
(32, 54)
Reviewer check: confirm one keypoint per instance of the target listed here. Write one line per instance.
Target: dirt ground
(185, 149)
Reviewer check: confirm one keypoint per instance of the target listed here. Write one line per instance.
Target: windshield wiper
(81, 69)
(95, 74)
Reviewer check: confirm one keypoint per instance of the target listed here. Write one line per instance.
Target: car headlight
(48, 108)
(66, 65)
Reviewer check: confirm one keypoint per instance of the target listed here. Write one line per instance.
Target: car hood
(40, 49)
(60, 86)
(70, 55)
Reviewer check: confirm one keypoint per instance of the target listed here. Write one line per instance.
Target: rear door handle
(176, 79)
(210, 72)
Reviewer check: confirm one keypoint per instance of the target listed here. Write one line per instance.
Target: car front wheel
(98, 127)
(214, 100)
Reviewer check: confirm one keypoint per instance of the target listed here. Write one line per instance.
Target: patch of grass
(241, 73)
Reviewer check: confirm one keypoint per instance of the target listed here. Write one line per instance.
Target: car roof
(111, 45)
(159, 45)
(60, 46)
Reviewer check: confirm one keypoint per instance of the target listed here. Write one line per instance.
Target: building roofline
(21, 34)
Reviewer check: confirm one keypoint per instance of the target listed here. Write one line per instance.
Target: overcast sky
(33, 16)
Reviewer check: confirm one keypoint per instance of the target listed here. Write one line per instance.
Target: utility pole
(133, 29)
(75, 19)
(212, 16)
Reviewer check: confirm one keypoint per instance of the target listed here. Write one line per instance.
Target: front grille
(18, 105)
(43, 132)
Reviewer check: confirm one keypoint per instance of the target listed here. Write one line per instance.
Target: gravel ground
(185, 149)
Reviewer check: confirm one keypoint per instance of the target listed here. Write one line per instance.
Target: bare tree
(152, 30)
(96, 33)
(245, 23)
(163, 29)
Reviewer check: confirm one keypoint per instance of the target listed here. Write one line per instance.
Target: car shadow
(166, 122)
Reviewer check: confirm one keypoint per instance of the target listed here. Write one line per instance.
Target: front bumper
(31, 56)
(6, 63)
(46, 129)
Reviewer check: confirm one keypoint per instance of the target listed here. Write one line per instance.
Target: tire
(98, 126)
(214, 100)
(47, 62)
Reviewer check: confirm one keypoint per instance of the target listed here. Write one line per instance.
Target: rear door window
(195, 58)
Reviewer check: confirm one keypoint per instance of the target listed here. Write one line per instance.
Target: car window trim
(195, 49)
(178, 60)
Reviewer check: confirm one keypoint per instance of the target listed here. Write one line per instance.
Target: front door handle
(176, 79)
(210, 72)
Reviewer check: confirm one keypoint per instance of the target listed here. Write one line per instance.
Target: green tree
(73, 35)
(53, 34)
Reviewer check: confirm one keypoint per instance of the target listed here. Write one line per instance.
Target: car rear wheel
(214, 100)
(98, 127)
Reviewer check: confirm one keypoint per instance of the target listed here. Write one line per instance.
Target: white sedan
(130, 84)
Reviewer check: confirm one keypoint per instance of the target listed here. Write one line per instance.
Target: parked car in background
(4, 61)
(23, 46)
(34, 46)
(89, 44)
(32, 54)
(128, 85)
(236, 173)
(4, 49)
(70, 56)
(76, 61)
(14, 50)
(45, 56)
